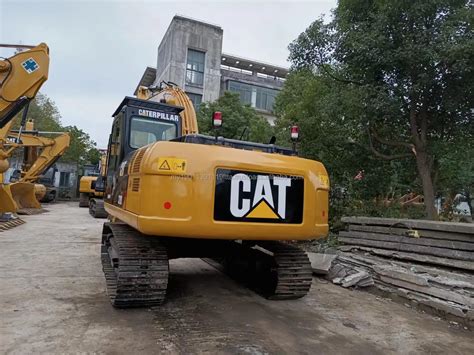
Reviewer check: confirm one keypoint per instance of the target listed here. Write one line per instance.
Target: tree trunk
(424, 170)
(419, 133)
(469, 203)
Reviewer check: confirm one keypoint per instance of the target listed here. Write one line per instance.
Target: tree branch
(390, 143)
(384, 156)
(323, 67)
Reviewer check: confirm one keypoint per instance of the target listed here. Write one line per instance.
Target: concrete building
(62, 175)
(190, 55)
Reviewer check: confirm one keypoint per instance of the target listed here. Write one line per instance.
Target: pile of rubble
(429, 263)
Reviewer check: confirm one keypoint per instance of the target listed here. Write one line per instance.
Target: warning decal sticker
(172, 165)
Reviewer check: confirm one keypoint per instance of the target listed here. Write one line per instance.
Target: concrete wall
(184, 33)
(270, 83)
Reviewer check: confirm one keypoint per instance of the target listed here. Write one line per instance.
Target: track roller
(135, 266)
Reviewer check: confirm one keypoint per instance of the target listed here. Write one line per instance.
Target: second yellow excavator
(91, 189)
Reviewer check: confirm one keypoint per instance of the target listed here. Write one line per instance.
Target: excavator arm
(51, 150)
(172, 94)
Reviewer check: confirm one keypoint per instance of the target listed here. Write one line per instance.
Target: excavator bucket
(40, 191)
(24, 195)
(7, 203)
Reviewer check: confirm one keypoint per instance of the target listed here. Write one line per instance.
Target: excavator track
(276, 270)
(135, 266)
(96, 209)
(83, 200)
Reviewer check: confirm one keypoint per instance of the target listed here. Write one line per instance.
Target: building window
(265, 98)
(256, 96)
(196, 99)
(195, 67)
(64, 179)
(244, 90)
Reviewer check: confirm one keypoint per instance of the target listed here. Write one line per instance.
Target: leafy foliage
(238, 120)
(82, 149)
(390, 80)
(47, 118)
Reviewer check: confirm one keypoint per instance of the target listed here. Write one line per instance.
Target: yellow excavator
(91, 189)
(39, 154)
(171, 192)
(21, 77)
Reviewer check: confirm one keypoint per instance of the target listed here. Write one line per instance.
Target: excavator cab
(136, 124)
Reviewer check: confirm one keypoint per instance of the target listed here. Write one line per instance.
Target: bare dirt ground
(52, 300)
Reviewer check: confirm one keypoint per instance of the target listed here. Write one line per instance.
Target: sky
(100, 49)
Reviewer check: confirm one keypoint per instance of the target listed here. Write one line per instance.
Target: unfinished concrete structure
(190, 55)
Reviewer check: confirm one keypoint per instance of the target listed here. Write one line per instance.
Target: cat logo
(254, 197)
(262, 205)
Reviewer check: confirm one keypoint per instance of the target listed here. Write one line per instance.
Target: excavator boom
(173, 95)
(21, 77)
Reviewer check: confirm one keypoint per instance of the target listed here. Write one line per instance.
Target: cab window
(145, 131)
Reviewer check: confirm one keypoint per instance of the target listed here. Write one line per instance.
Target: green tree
(46, 116)
(331, 133)
(236, 119)
(82, 149)
(406, 69)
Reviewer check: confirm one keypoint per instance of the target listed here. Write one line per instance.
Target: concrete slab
(321, 263)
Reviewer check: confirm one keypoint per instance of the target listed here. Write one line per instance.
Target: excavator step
(136, 267)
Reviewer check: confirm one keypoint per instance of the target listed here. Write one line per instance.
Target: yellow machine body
(191, 193)
(169, 188)
(85, 184)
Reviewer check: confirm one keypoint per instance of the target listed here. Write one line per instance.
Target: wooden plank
(467, 228)
(445, 253)
(469, 238)
(448, 244)
(426, 259)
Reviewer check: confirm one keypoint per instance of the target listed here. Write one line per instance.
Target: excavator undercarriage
(136, 267)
